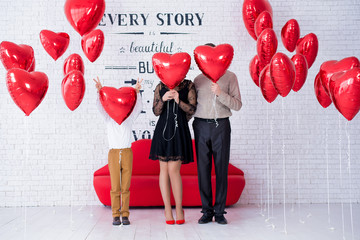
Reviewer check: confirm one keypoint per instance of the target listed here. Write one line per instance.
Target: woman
(172, 144)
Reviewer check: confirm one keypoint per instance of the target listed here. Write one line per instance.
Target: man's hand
(97, 84)
(215, 89)
(138, 85)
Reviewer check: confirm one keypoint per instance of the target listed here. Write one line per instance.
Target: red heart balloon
(118, 103)
(250, 12)
(320, 93)
(171, 69)
(266, 45)
(55, 44)
(93, 44)
(84, 15)
(282, 72)
(290, 34)
(73, 62)
(308, 46)
(301, 71)
(73, 89)
(26, 89)
(345, 92)
(267, 88)
(17, 56)
(255, 68)
(263, 21)
(329, 68)
(214, 61)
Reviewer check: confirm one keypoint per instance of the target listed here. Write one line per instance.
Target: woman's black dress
(172, 143)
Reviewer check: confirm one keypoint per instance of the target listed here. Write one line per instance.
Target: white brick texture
(49, 157)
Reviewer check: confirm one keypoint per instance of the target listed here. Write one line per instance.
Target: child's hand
(98, 84)
(138, 85)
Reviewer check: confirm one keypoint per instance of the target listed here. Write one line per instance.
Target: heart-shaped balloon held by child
(171, 69)
(118, 103)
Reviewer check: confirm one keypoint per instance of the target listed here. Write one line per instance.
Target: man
(120, 158)
(212, 139)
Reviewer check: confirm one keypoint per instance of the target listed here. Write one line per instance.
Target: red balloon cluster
(339, 82)
(171, 69)
(26, 87)
(267, 66)
(84, 16)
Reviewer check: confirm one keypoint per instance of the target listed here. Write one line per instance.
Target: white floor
(307, 221)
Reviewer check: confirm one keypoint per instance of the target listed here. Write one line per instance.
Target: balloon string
(175, 111)
(298, 171)
(350, 178)
(327, 170)
(341, 178)
(216, 115)
(271, 169)
(267, 167)
(25, 173)
(283, 156)
(72, 172)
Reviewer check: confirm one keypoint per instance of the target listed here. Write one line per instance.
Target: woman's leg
(176, 185)
(164, 183)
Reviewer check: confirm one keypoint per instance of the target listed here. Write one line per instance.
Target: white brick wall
(49, 158)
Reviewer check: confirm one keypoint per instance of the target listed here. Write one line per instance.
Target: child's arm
(98, 104)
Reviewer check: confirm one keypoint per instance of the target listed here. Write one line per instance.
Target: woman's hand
(97, 84)
(138, 85)
(172, 94)
(168, 96)
(175, 96)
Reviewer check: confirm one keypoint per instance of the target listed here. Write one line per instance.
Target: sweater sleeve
(231, 98)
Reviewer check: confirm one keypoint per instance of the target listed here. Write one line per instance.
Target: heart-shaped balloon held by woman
(73, 89)
(118, 103)
(17, 56)
(27, 89)
(214, 61)
(171, 68)
(55, 44)
(84, 15)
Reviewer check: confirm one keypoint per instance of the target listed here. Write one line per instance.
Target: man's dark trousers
(212, 141)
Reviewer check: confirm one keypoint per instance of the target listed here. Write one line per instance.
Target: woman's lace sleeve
(189, 108)
(158, 102)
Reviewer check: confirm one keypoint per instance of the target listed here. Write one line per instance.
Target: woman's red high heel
(171, 222)
(182, 221)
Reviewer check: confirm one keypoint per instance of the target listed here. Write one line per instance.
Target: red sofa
(144, 188)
